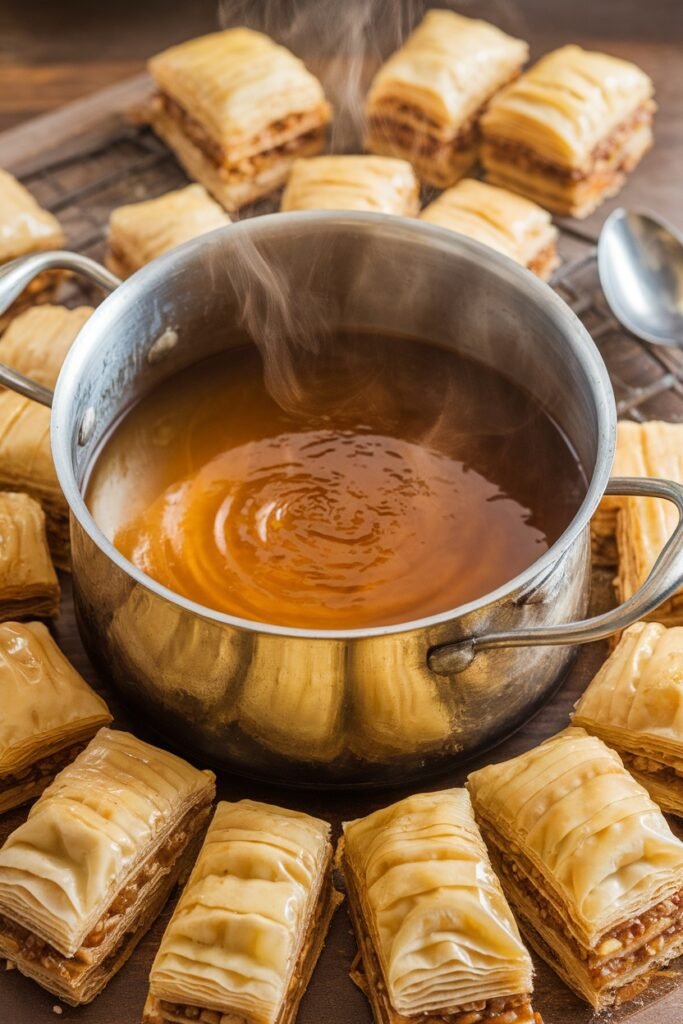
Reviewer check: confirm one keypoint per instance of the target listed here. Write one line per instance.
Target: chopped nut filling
(664, 772)
(509, 1009)
(248, 166)
(29, 946)
(619, 950)
(43, 769)
(166, 1012)
(602, 157)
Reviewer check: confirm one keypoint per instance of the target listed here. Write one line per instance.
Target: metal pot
(363, 706)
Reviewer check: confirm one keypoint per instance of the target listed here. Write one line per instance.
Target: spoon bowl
(640, 263)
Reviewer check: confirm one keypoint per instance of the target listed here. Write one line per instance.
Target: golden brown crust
(417, 867)
(139, 232)
(587, 860)
(26, 465)
(28, 581)
(506, 222)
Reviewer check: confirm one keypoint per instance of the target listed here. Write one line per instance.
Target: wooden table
(51, 56)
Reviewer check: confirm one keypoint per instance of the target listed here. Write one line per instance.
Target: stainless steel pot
(363, 706)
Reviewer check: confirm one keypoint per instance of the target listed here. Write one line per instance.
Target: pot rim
(269, 225)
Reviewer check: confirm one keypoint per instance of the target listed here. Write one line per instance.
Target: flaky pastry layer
(567, 105)
(47, 706)
(139, 232)
(434, 928)
(587, 860)
(89, 834)
(246, 927)
(635, 704)
(374, 183)
(445, 71)
(518, 228)
(28, 581)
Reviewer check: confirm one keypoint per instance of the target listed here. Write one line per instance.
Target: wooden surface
(47, 58)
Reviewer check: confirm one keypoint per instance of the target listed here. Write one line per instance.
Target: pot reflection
(293, 697)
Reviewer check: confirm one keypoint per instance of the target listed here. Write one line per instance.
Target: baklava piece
(37, 341)
(26, 465)
(28, 581)
(588, 862)
(48, 714)
(26, 228)
(237, 110)
(89, 870)
(250, 923)
(380, 184)
(508, 223)
(644, 525)
(629, 460)
(139, 232)
(425, 102)
(438, 941)
(635, 704)
(569, 130)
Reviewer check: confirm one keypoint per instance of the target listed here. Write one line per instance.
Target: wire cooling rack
(132, 164)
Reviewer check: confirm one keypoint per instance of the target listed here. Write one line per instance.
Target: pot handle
(15, 278)
(664, 580)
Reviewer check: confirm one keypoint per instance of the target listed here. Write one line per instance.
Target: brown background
(50, 54)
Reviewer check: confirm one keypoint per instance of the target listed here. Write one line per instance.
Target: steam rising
(292, 321)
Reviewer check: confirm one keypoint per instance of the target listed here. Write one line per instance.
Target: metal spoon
(640, 263)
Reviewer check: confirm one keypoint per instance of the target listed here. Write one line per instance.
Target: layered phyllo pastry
(237, 110)
(380, 184)
(25, 228)
(630, 459)
(139, 232)
(588, 862)
(89, 870)
(26, 465)
(37, 341)
(644, 525)
(28, 581)
(250, 923)
(47, 712)
(635, 704)
(425, 102)
(569, 130)
(508, 223)
(438, 941)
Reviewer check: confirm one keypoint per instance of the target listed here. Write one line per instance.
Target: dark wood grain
(54, 53)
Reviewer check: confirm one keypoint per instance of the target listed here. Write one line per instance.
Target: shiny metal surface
(664, 580)
(16, 275)
(640, 262)
(352, 707)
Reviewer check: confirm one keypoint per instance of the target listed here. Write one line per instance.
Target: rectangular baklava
(569, 130)
(26, 465)
(508, 223)
(139, 232)
(28, 581)
(643, 525)
(438, 941)
(237, 110)
(635, 704)
(251, 922)
(89, 870)
(37, 340)
(48, 712)
(588, 862)
(25, 228)
(425, 102)
(380, 184)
